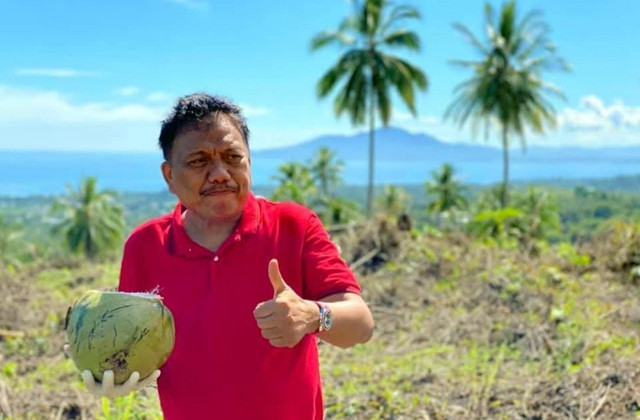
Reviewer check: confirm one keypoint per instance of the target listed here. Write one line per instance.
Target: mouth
(218, 190)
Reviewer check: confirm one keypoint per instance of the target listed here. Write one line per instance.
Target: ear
(167, 174)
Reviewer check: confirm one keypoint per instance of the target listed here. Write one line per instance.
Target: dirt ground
(521, 336)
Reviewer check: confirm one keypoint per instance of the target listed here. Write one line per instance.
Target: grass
(465, 329)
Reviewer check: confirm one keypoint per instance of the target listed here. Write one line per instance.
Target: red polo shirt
(221, 367)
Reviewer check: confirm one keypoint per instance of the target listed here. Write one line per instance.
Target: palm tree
(447, 190)
(370, 73)
(506, 88)
(337, 210)
(295, 183)
(395, 200)
(90, 221)
(490, 198)
(326, 169)
(540, 214)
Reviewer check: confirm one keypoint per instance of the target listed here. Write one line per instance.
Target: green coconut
(122, 332)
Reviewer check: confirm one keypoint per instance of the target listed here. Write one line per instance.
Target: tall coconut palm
(447, 191)
(294, 183)
(506, 89)
(367, 72)
(326, 169)
(90, 220)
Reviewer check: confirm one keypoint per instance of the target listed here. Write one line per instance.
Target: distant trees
(540, 215)
(295, 183)
(506, 88)
(337, 210)
(326, 169)
(394, 201)
(368, 71)
(533, 216)
(446, 190)
(89, 220)
(9, 234)
(313, 185)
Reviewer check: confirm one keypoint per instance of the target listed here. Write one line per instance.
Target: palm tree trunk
(505, 167)
(371, 148)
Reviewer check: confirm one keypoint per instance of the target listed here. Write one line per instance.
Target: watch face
(328, 320)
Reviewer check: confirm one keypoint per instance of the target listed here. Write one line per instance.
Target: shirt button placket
(214, 270)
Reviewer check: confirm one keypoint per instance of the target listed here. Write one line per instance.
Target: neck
(208, 233)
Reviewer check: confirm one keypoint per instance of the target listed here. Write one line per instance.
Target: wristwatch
(326, 320)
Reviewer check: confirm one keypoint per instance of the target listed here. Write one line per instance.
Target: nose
(218, 172)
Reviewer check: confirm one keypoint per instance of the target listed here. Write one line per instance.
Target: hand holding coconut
(108, 389)
(287, 318)
(115, 339)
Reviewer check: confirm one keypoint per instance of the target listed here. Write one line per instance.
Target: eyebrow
(230, 149)
(194, 154)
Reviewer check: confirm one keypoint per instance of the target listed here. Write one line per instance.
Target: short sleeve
(128, 269)
(325, 272)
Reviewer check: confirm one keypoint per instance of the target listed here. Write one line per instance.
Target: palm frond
(382, 99)
(402, 12)
(465, 63)
(351, 97)
(470, 38)
(489, 17)
(346, 63)
(331, 37)
(402, 38)
(507, 20)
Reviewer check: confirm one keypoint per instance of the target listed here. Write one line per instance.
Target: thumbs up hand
(287, 318)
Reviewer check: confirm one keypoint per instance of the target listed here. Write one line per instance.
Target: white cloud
(36, 119)
(594, 115)
(19, 106)
(127, 91)
(593, 123)
(192, 4)
(53, 72)
(35, 106)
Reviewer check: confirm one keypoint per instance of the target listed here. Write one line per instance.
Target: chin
(224, 211)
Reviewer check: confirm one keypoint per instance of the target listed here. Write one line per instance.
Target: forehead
(214, 130)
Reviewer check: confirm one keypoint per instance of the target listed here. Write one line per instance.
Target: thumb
(277, 281)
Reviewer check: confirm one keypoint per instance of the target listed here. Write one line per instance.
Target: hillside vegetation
(482, 311)
(466, 329)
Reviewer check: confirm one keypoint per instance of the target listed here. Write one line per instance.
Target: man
(251, 283)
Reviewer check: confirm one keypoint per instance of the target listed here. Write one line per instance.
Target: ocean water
(47, 173)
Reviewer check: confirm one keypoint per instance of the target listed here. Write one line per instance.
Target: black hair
(190, 110)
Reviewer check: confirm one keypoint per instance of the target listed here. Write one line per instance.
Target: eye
(234, 158)
(196, 162)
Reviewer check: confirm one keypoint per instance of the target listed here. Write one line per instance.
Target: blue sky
(100, 75)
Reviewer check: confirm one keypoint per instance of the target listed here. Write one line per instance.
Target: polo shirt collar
(182, 245)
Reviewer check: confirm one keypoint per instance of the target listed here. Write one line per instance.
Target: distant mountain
(395, 144)
(402, 158)
(392, 144)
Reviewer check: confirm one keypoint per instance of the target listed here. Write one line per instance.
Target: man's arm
(352, 320)
(287, 318)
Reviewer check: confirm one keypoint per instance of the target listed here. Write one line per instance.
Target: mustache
(216, 188)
